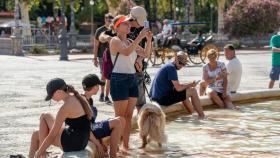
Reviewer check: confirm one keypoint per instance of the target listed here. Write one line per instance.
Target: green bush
(252, 18)
(38, 50)
(236, 44)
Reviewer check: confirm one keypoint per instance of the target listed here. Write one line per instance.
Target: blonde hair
(212, 53)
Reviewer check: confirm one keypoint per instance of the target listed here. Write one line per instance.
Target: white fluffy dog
(151, 123)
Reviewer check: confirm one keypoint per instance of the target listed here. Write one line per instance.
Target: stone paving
(23, 81)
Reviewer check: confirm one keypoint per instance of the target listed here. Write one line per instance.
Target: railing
(6, 46)
(221, 40)
(49, 42)
(84, 41)
(52, 41)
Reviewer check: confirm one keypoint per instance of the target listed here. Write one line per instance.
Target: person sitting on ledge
(76, 114)
(234, 71)
(234, 68)
(215, 77)
(167, 90)
(111, 127)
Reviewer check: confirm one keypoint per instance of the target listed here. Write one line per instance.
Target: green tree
(252, 18)
(27, 5)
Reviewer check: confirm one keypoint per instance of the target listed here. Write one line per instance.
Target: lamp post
(177, 13)
(72, 33)
(91, 2)
(62, 37)
(211, 8)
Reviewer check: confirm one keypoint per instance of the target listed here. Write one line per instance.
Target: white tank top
(124, 64)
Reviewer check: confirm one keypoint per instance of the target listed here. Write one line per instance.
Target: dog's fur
(151, 123)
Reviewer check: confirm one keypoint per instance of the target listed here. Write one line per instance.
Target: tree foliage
(98, 9)
(252, 18)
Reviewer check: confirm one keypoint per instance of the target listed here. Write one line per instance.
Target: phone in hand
(146, 24)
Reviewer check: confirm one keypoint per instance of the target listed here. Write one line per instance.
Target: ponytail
(83, 102)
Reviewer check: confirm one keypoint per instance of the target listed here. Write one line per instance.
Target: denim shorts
(123, 86)
(274, 73)
(101, 129)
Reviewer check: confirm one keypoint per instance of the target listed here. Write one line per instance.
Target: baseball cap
(91, 80)
(54, 85)
(139, 14)
(182, 57)
(229, 46)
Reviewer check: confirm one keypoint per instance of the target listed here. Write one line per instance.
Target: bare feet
(201, 117)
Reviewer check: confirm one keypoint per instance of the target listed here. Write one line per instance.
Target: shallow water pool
(254, 131)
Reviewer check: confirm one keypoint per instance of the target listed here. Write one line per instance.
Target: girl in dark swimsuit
(75, 112)
(111, 127)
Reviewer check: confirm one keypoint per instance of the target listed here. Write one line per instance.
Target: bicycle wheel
(157, 57)
(207, 47)
(195, 57)
(170, 53)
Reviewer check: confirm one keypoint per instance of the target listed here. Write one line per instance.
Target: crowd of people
(129, 43)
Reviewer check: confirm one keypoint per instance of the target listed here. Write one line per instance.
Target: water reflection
(254, 131)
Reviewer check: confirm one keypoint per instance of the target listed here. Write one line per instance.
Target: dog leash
(146, 89)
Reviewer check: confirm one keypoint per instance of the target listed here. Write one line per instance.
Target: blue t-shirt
(162, 83)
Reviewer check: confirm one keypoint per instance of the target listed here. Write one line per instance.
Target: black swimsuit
(76, 136)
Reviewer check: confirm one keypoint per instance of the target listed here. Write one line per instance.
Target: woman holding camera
(124, 88)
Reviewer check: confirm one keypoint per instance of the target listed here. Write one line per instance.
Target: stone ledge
(89, 152)
(243, 96)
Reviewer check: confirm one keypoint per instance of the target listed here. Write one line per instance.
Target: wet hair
(84, 103)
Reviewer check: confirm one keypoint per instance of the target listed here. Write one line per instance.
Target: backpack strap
(115, 61)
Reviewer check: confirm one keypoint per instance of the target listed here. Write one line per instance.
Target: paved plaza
(23, 81)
